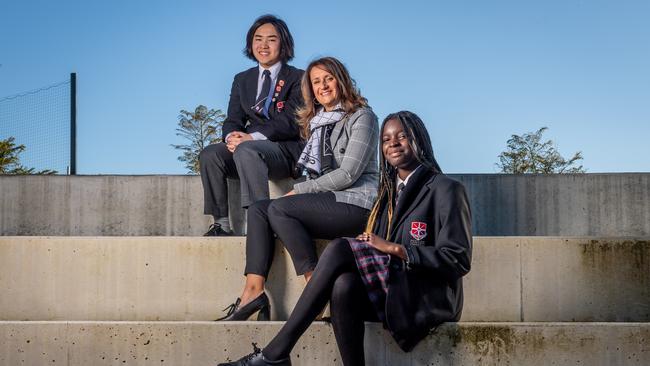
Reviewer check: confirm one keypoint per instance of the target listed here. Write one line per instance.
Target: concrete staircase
(148, 300)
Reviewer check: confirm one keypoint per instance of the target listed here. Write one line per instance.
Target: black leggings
(297, 220)
(335, 279)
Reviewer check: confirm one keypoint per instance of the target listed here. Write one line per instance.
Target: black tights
(335, 279)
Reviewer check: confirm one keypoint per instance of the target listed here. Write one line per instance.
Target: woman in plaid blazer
(340, 161)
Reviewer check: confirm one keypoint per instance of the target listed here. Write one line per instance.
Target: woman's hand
(290, 193)
(383, 245)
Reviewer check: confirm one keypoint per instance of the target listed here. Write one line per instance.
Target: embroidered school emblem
(418, 230)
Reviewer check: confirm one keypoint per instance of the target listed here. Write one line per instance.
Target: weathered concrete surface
(562, 277)
(502, 204)
(192, 278)
(559, 204)
(112, 205)
(207, 343)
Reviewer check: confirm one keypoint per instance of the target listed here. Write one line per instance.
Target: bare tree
(528, 154)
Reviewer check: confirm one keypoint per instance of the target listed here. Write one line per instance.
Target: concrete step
(513, 279)
(502, 204)
(207, 343)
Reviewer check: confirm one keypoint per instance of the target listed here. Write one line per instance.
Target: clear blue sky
(475, 71)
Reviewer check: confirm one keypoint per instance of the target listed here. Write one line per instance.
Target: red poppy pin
(279, 106)
(278, 87)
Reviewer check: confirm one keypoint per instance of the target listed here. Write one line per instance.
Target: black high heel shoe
(260, 304)
(257, 359)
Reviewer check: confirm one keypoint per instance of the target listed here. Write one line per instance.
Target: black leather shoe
(261, 304)
(257, 359)
(216, 230)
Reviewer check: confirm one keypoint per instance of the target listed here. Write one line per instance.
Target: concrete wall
(560, 205)
(524, 205)
(209, 343)
(173, 278)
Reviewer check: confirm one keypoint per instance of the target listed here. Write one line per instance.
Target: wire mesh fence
(41, 120)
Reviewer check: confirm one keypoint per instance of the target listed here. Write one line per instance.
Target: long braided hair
(420, 143)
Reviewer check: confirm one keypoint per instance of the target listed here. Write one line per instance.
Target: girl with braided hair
(405, 270)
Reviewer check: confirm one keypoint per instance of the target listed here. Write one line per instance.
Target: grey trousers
(253, 163)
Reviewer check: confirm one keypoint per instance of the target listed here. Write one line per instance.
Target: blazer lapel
(250, 87)
(278, 96)
(338, 131)
(413, 193)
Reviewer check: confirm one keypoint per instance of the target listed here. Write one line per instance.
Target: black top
(282, 126)
(433, 221)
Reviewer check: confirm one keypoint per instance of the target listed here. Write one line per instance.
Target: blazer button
(342, 150)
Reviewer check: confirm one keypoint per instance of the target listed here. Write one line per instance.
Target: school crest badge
(418, 230)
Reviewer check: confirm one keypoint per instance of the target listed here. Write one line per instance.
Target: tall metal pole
(73, 123)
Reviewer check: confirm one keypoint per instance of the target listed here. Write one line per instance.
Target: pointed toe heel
(259, 304)
(264, 315)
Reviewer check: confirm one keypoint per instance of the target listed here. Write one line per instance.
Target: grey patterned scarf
(318, 148)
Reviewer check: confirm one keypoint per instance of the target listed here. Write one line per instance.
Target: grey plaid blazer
(355, 177)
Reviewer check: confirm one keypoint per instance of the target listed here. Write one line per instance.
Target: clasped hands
(235, 138)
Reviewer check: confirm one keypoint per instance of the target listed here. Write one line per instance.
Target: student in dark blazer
(340, 159)
(261, 137)
(404, 271)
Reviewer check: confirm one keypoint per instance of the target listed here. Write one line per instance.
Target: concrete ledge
(206, 343)
(183, 278)
(502, 204)
(113, 205)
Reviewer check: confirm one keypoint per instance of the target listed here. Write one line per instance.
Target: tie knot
(266, 73)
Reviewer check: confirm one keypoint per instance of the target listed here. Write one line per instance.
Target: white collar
(274, 69)
(405, 181)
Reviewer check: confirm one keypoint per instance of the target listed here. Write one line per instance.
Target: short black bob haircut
(286, 40)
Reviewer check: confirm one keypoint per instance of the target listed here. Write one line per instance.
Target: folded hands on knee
(235, 138)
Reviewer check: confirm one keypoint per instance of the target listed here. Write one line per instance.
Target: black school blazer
(282, 126)
(433, 216)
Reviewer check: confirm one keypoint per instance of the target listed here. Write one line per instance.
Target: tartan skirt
(373, 268)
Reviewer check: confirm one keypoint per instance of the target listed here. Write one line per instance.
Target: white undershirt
(275, 70)
(399, 180)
